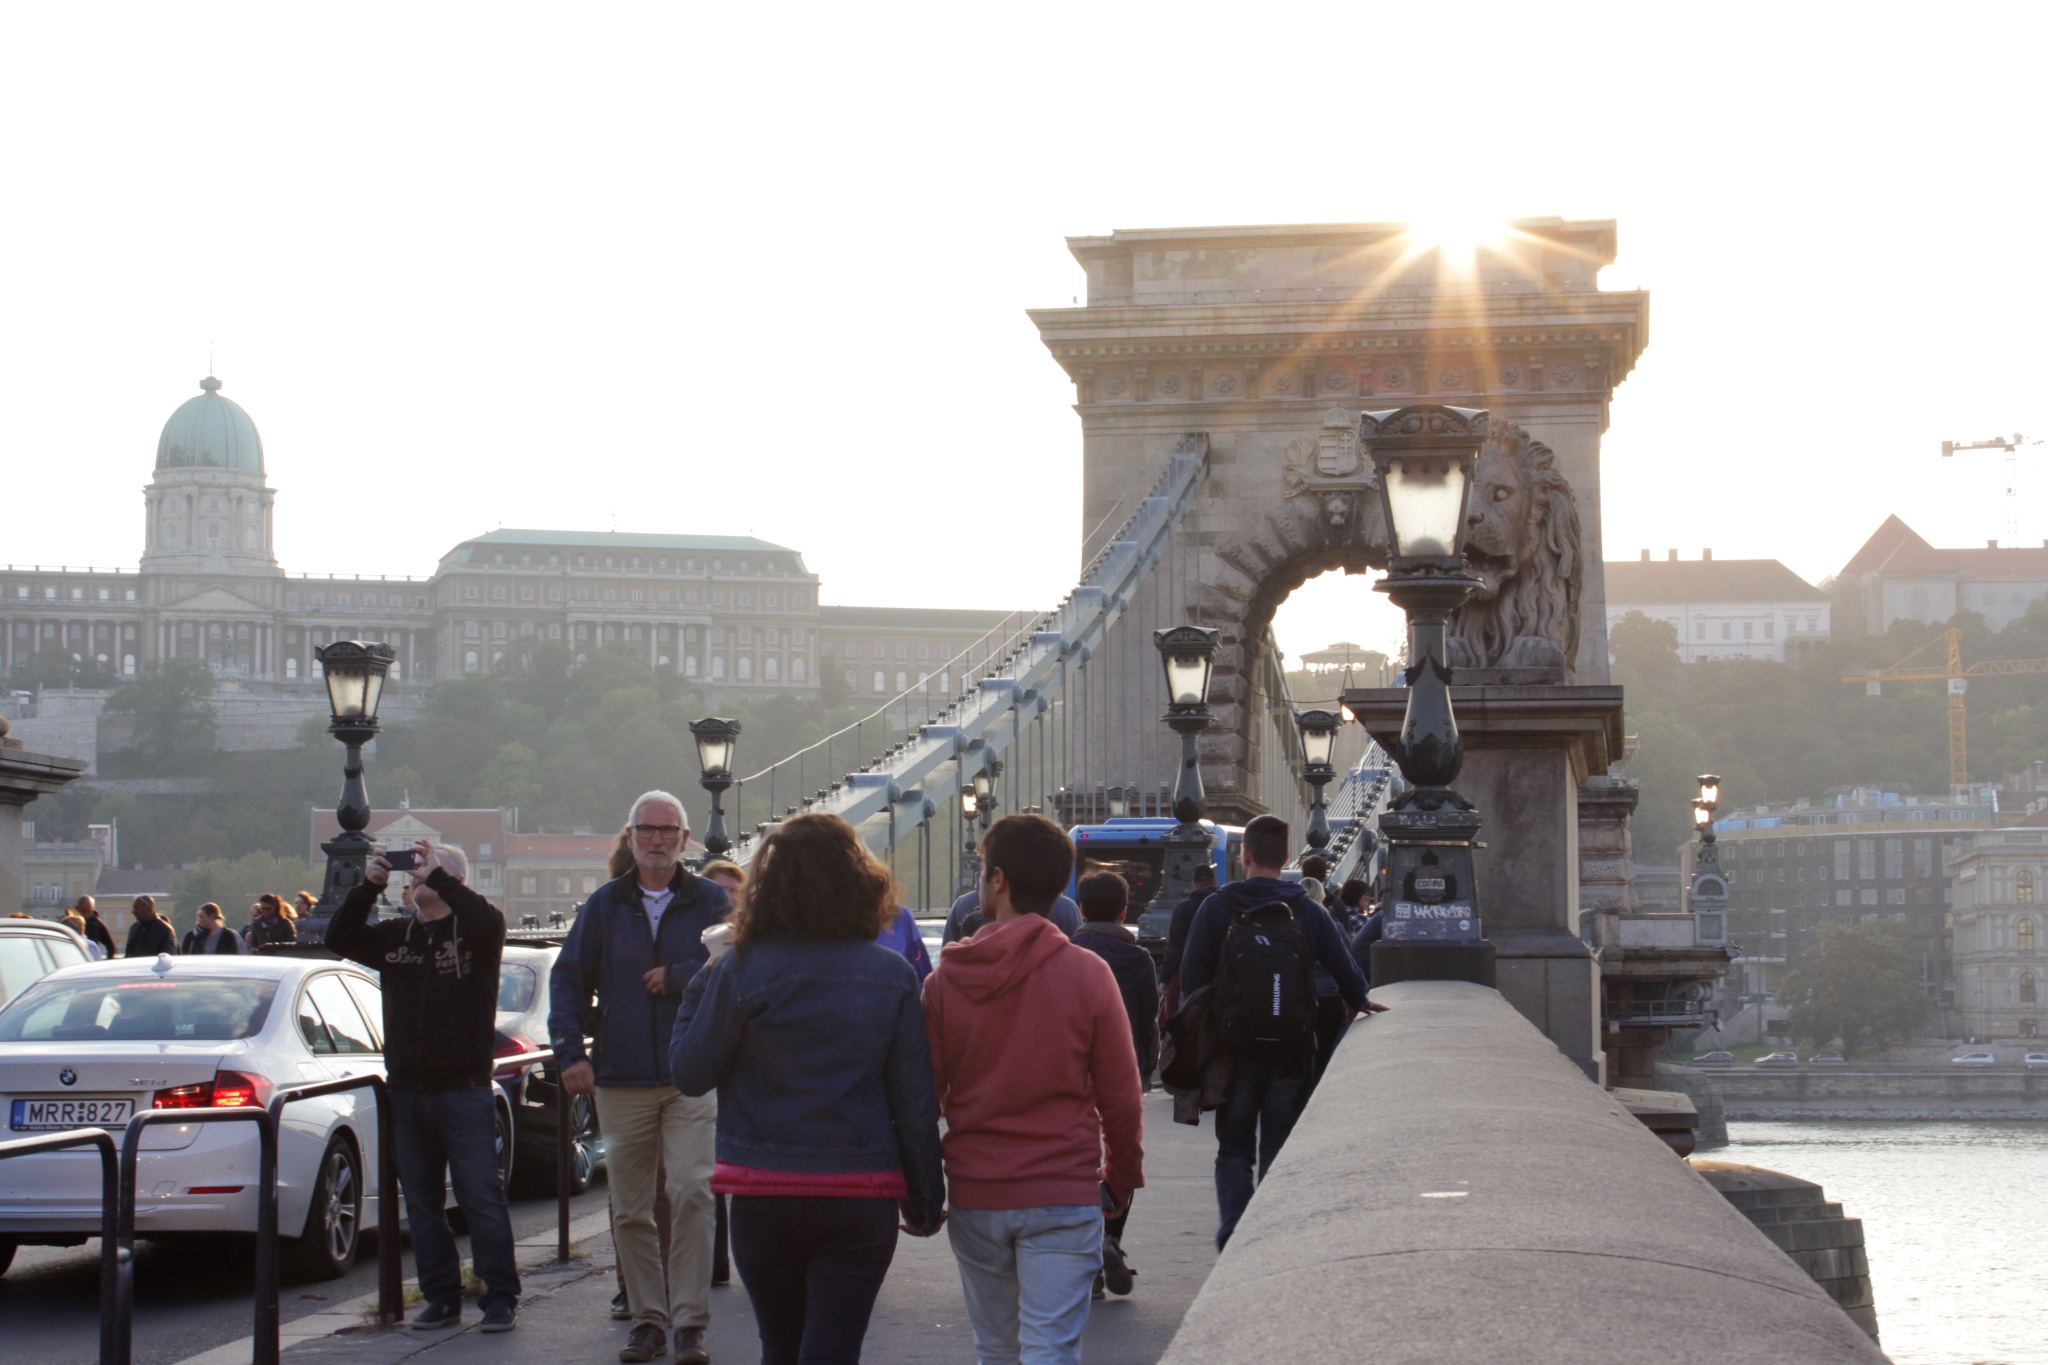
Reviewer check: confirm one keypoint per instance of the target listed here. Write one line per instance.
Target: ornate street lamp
(1188, 654)
(1425, 457)
(1318, 745)
(716, 739)
(977, 804)
(1709, 887)
(355, 674)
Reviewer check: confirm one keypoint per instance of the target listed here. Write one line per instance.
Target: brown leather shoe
(690, 1347)
(647, 1341)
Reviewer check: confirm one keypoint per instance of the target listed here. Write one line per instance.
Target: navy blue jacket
(818, 1052)
(607, 954)
(1137, 980)
(1212, 922)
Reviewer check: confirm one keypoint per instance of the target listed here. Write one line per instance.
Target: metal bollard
(390, 1267)
(266, 1224)
(110, 1196)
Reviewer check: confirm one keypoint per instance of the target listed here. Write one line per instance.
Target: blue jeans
(1026, 1274)
(451, 1130)
(1266, 1097)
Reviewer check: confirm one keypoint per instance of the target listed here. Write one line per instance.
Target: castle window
(2027, 988)
(2023, 887)
(2026, 935)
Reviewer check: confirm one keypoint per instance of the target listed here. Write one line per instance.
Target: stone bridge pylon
(1270, 341)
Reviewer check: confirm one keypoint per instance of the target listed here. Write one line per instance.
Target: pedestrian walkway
(919, 1319)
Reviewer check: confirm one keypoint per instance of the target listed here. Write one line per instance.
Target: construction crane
(1958, 687)
(2012, 493)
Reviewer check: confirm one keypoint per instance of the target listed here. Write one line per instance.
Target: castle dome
(210, 432)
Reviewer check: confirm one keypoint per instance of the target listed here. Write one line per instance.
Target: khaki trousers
(645, 1127)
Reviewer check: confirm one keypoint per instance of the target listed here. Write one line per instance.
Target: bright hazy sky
(764, 270)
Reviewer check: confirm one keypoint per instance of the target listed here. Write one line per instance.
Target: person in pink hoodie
(1038, 1082)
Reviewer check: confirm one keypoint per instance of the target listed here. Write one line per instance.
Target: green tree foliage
(234, 884)
(1862, 988)
(568, 745)
(174, 722)
(57, 668)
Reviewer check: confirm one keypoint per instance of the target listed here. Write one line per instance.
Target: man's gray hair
(666, 798)
(456, 858)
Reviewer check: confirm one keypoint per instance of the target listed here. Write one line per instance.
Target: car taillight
(514, 1044)
(227, 1090)
(232, 1089)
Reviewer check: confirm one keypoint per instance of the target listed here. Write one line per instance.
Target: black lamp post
(1425, 457)
(716, 739)
(354, 673)
(1318, 744)
(1188, 654)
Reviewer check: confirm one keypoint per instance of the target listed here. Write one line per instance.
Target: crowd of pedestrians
(271, 921)
(777, 1040)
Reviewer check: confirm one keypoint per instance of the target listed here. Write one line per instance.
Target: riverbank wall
(1898, 1093)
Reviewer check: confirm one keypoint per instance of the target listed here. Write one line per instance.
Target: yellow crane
(1958, 686)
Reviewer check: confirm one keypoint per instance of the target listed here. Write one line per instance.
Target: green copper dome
(210, 432)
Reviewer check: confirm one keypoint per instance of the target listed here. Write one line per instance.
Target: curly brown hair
(621, 861)
(814, 879)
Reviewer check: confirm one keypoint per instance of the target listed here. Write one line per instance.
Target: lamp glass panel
(1187, 677)
(373, 692)
(1317, 743)
(1119, 803)
(967, 803)
(346, 686)
(714, 752)
(1710, 791)
(983, 784)
(1701, 816)
(1426, 497)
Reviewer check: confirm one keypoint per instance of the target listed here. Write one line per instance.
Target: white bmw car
(94, 1044)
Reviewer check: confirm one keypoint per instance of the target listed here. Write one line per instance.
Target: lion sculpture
(1523, 542)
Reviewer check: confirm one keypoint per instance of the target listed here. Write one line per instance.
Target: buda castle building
(729, 611)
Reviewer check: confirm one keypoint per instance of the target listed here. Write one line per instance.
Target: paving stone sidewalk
(563, 1319)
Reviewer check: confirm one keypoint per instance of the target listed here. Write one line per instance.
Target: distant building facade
(2001, 926)
(1722, 609)
(1898, 576)
(1865, 853)
(883, 651)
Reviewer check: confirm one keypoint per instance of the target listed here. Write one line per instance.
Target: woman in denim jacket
(813, 1037)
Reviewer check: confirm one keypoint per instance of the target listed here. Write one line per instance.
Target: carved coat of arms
(1330, 467)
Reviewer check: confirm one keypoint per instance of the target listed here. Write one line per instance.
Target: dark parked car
(523, 1027)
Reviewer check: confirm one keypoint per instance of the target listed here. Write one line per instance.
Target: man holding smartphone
(439, 967)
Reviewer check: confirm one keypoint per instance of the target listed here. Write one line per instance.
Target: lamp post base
(1420, 960)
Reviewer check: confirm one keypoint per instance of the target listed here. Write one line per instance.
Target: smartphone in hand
(402, 859)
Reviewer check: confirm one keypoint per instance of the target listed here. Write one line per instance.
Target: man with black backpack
(1259, 942)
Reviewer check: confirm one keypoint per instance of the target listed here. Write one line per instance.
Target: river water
(1956, 1220)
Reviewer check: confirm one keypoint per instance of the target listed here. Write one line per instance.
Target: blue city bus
(1133, 846)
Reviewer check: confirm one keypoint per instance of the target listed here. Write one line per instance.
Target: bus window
(1141, 867)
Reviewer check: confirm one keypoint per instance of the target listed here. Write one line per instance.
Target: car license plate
(71, 1111)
